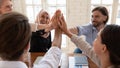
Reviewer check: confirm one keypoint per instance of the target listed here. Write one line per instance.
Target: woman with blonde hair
(41, 40)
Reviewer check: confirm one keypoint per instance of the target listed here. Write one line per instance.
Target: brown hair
(15, 33)
(103, 10)
(110, 36)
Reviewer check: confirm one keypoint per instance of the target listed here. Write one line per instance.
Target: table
(65, 60)
(63, 64)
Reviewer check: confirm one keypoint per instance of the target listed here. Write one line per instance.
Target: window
(113, 7)
(118, 14)
(56, 4)
(34, 6)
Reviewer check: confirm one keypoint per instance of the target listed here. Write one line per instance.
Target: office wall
(19, 6)
(78, 13)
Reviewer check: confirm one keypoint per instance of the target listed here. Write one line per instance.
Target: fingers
(62, 22)
(58, 13)
(55, 19)
(58, 20)
(63, 18)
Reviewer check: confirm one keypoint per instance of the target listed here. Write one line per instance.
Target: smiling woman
(41, 40)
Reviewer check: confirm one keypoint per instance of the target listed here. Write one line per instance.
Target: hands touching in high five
(59, 21)
(59, 24)
(53, 22)
(58, 33)
(63, 26)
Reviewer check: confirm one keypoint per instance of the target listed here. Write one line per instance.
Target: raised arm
(79, 41)
(53, 23)
(63, 26)
(52, 57)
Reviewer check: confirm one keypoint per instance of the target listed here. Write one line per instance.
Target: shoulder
(85, 27)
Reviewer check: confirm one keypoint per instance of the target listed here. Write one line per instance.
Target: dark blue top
(40, 44)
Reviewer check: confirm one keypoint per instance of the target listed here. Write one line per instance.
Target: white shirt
(50, 60)
(12, 64)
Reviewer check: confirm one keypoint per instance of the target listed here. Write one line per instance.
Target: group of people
(15, 35)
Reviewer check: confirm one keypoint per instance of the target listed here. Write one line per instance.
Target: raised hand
(55, 18)
(63, 26)
(57, 38)
(54, 21)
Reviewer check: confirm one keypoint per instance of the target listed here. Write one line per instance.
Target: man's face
(98, 18)
(6, 6)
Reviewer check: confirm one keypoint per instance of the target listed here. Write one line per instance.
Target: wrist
(69, 34)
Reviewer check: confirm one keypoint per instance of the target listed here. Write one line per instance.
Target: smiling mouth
(42, 22)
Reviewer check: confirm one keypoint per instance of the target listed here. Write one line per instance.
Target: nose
(45, 19)
(11, 8)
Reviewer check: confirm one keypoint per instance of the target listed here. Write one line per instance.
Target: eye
(47, 17)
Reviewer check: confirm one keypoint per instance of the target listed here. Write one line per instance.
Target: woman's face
(97, 45)
(44, 18)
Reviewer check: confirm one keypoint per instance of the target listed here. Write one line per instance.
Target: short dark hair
(110, 36)
(103, 10)
(15, 33)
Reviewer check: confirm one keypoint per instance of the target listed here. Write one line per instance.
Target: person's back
(15, 35)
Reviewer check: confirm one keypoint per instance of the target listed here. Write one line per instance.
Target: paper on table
(72, 63)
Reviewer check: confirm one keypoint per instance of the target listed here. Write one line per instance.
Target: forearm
(57, 38)
(68, 33)
(74, 30)
(86, 48)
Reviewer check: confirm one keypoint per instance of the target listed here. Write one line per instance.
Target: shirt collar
(93, 28)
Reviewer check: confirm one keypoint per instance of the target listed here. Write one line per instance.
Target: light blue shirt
(89, 31)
